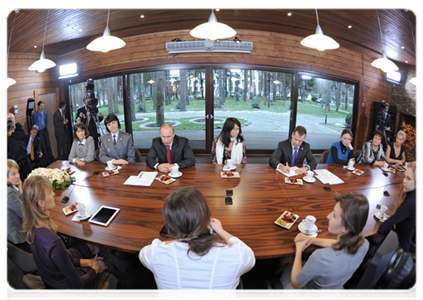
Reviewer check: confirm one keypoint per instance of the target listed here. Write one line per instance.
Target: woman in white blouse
(83, 148)
(201, 254)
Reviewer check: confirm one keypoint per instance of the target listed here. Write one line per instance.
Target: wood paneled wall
(28, 83)
(270, 49)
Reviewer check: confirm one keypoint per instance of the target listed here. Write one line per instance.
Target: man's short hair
(62, 104)
(40, 102)
(301, 130)
(167, 125)
(34, 127)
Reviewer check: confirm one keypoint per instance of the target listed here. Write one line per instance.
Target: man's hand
(120, 162)
(164, 168)
(285, 169)
(301, 170)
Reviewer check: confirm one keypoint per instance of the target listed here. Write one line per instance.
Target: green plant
(348, 120)
(255, 105)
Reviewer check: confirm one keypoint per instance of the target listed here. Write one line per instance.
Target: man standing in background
(40, 119)
(60, 123)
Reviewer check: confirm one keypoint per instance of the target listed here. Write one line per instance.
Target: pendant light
(213, 30)
(106, 42)
(10, 81)
(383, 63)
(416, 81)
(318, 40)
(43, 63)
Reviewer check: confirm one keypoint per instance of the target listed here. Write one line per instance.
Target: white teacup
(385, 166)
(229, 163)
(382, 210)
(110, 164)
(309, 222)
(405, 165)
(350, 164)
(310, 175)
(174, 170)
(65, 164)
(81, 209)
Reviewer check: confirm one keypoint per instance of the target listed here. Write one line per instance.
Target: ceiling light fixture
(213, 30)
(106, 42)
(318, 40)
(416, 81)
(43, 63)
(10, 81)
(383, 63)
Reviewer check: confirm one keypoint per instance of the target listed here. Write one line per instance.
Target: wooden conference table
(260, 196)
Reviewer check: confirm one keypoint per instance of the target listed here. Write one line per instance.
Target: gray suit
(124, 148)
(15, 232)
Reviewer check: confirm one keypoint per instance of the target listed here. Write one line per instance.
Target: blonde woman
(404, 219)
(395, 153)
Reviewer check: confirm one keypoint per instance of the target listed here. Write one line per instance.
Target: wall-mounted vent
(209, 46)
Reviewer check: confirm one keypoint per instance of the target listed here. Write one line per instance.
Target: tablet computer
(104, 215)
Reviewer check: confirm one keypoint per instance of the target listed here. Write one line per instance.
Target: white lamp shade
(384, 64)
(106, 42)
(42, 64)
(212, 30)
(320, 41)
(10, 81)
(413, 81)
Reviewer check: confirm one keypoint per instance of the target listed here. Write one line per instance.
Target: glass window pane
(260, 100)
(176, 97)
(324, 108)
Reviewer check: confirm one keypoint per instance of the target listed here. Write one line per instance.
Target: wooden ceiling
(72, 29)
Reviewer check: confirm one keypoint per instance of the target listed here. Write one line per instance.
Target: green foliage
(348, 120)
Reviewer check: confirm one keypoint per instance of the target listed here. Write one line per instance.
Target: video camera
(92, 100)
(380, 121)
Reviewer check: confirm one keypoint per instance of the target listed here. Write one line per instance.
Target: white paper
(326, 176)
(291, 171)
(143, 179)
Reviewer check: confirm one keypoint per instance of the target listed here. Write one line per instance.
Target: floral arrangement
(59, 178)
(410, 142)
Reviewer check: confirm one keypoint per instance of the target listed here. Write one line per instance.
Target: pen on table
(139, 177)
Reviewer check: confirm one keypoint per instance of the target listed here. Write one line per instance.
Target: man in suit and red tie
(168, 150)
(293, 151)
(84, 115)
(60, 123)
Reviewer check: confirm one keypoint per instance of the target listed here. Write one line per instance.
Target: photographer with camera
(15, 146)
(383, 123)
(89, 115)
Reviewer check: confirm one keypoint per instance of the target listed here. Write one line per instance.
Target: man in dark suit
(293, 151)
(33, 147)
(384, 124)
(83, 115)
(168, 150)
(60, 123)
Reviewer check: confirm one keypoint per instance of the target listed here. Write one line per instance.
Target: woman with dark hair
(373, 151)
(229, 144)
(342, 152)
(201, 254)
(403, 221)
(395, 152)
(332, 266)
(83, 148)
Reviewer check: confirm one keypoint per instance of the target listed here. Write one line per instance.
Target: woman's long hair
(35, 189)
(355, 209)
(11, 164)
(402, 193)
(225, 134)
(187, 217)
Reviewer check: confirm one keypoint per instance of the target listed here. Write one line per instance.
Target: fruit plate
(110, 172)
(165, 179)
(229, 174)
(287, 219)
(70, 209)
(293, 181)
(358, 172)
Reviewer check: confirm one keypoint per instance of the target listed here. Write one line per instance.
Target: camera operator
(383, 123)
(15, 146)
(89, 115)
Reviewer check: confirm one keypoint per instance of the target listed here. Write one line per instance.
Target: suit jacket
(58, 123)
(37, 144)
(181, 153)
(124, 148)
(283, 155)
(16, 149)
(91, 126)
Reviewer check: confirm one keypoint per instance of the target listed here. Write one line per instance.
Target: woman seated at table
(332, 266)
(83, 148)
(15, 232)
(395, 152)
(207, 256)
(373, 151)
(342, 152)
(403, 221)
(58, 267)
(229, 144)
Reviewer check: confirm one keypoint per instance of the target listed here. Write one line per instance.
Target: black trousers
(62, 147)
(46, 146)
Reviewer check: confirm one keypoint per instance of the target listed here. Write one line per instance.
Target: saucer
(175, 176)
(309, 181)
(377, 215)
(65, 168)
(350, 169)
(111, 169)
(386, 170)
(76, 217)
(312, 232)
(227, 168)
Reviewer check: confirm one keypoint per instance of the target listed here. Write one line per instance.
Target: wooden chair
(36, 290)
(357, 154)
(324, 156)
(138, 157)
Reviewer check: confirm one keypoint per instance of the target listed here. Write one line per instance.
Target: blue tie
(294, 158)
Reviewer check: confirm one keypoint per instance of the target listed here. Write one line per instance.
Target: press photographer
(89, 115)
(383, 123)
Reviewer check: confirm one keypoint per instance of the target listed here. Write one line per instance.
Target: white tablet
(104, 215)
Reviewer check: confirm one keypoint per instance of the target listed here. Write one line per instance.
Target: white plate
(76, 217)
(377, 215)
(386, 170)
(110, 169)
(313, 231)
(227, 168)
(175, 176)
(64, 168)
(309, 181)
(350, 169)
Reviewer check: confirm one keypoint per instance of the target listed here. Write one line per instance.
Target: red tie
(169, 161)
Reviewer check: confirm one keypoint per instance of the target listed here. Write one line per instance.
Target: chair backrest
(357, 154)
(22, 259)
(324, 156)
(36, 290)
(138, 157)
